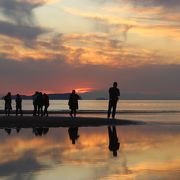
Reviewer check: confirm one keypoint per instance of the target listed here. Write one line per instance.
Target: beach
(43, 147)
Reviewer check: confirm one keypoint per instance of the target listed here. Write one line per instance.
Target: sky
(55, 46)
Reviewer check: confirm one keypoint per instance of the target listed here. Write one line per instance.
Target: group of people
(41, 103)
(8, 104)
(40, 100)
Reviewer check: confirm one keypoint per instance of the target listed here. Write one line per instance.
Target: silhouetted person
(113, 140)
(73, 134)
(18, 105)
(40, 104)
(8, 105)
(73, 103)
(35, 103)
(45, 103)
(114, 93)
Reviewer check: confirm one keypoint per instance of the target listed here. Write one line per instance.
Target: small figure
(35, 103)
(18, 105)
(8, 106)
(73, 103)
(113, 140)
(45, 103)
(114, 93)
(40, 104)
(73, 134)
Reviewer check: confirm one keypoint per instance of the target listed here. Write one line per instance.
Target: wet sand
(54, 121)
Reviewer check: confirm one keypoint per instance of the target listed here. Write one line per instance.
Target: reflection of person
(18, 105)
(40, 131)
(113, 140)
(8, 105)
(73, 134)
(73, 103)
(8, 130)
(114, 93)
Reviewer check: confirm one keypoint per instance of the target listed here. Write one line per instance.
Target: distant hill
(103, 95)
(64, 96)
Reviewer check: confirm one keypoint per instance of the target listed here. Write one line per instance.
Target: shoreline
(97, 111)
(36, 121)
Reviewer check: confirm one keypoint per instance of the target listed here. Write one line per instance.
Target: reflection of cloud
(91, 153)
(16, 168)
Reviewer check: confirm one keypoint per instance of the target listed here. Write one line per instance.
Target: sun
(83, 90)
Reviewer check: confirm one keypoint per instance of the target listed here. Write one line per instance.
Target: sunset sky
(59, 45)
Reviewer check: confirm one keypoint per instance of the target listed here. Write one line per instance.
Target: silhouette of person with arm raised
(73, 134)
(18, 105)
(8, 106)
(113, 140)
(114, 93)
(45, 103)
(73, 103)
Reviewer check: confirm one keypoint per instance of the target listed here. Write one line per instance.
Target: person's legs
(41, 109)
(71, 112)
(16, 110)
(6, 111)
(75, 112)
(114, 109)
(45, 110)
(35, 109)
(20, 109)
(109, 108)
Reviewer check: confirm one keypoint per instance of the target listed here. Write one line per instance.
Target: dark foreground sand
(30, 121)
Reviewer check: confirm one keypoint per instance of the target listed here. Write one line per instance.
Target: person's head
(9, 93)
(17, 95)
(115, 153)
(73, 91)
(36, 92)
(115, 84)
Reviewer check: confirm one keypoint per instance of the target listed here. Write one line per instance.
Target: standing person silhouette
(35, 103)
(40, 104)
(45, 103)
(114, 93)
(18, 105)
(73, 103)
(8, 105)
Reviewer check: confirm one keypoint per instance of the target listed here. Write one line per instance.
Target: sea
(147, 151)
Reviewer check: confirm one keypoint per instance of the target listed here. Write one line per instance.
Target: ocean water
(146, 152)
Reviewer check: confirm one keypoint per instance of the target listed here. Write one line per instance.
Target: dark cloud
(17, 168)
(21, 21)
(57, 76)
(20, 12)
(22, 32)
(163, 3)
(167, 4)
